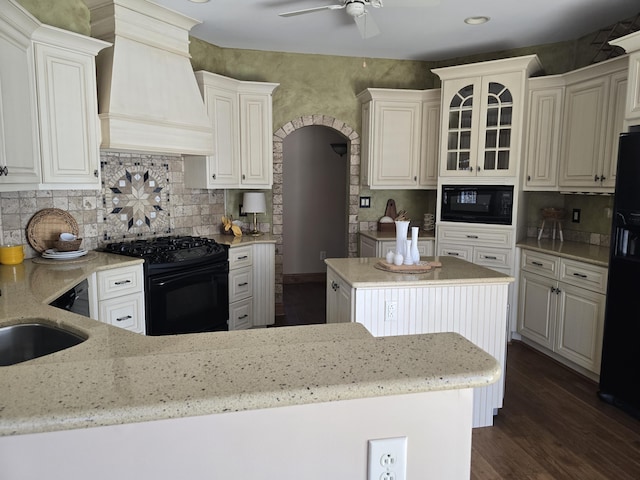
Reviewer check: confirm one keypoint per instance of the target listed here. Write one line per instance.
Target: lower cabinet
(251, 286)
(561, 307)
(377, 248)
(339, 307)
(117, 297)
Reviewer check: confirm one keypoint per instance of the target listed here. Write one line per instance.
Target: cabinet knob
(95, 173)
(603, 178)
(528, 178)
(415, 179)
(596, 178)
(4, 171)
(334, 286)
(244, 176)
(471, 169)
(213, 176)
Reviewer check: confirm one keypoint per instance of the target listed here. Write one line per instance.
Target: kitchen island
(240, 404)
(457, 297)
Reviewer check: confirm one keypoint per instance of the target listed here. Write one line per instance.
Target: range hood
(148, 97)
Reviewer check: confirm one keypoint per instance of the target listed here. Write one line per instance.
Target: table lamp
(254, 202)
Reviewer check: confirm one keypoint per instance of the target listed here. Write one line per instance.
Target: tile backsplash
(142, 195)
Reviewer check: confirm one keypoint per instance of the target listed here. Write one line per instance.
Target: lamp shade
(254, 202)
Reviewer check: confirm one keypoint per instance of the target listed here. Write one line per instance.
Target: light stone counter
(117, 377)
(361, 273)
(582, 252)
(376, 235)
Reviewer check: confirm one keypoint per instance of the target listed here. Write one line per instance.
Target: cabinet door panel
(255, 140)
(397, 139)
(68, 112)
(223, 110)
(580, 324)
(584, 135)
(536, 319)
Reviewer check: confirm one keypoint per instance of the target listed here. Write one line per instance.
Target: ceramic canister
(11, 254)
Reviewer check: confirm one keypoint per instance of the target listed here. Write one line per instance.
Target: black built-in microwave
(492, 204)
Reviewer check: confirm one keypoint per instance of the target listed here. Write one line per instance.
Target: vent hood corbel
(148, 97)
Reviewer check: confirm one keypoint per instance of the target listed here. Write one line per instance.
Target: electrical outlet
(388, 459)
(323, 255)
(390, 311)
(575, 217)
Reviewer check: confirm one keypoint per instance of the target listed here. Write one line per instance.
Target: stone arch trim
(353, 194)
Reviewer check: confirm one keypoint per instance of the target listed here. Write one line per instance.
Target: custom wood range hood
(148, 97)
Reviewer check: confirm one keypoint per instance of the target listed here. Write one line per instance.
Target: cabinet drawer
(240, 284)
(125, 312)
(492, 257)
(119, 281)
(460, 251)
(240, 257)
(584, 275)
(475, 236)
(241, 314)
(540, 263)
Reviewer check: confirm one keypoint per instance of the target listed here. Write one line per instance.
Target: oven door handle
(162, 280)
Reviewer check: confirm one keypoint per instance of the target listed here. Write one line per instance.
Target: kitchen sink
(24, 341)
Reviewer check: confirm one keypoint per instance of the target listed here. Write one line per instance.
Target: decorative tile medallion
(136, 197)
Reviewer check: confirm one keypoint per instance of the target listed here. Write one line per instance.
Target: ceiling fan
(357, 9)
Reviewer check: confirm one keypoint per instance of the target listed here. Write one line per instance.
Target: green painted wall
(68, 14)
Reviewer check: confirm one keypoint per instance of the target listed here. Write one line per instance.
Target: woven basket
(45, 227)
(68, 246)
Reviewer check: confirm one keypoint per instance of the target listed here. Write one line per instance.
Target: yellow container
(11, 254)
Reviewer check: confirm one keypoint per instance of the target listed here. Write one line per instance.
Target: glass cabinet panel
(459, 136)
(498, 127)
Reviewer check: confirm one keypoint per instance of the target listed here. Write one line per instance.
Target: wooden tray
(422, 267)
(45, 228)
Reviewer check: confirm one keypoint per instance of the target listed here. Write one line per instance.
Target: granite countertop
(246, 239)
(117, 376)
(376, 235)
(361, 273)
(583, 252)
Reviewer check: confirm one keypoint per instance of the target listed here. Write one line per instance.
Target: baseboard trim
(304, 278)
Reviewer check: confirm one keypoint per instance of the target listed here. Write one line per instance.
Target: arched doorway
(277, 190)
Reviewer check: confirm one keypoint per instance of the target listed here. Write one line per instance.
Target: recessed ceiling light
(476, 20)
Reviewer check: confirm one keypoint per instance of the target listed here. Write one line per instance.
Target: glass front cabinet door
(482, 118)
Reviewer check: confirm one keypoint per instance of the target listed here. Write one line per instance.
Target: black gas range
(186, 282)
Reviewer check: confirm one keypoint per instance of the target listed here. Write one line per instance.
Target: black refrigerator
(620, 370)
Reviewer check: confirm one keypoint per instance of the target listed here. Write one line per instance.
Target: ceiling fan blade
(311, 10)
(367, 26)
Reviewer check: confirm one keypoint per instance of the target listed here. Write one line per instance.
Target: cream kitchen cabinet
(561, 307)
(373, 246)
(482, 116)
(487, 246)
(116, 297)
(340, 307)
(543, 127)
(593, 119)
(631, 44)
(241, 118)
(49, 128)
(251, 286)
(400, 138)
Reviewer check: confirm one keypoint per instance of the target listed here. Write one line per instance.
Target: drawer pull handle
(581, 275)
(122, 282)
(242, 317)
(490, 258)
(122, 319)
(472, 236)
(243, 257)
(243, 284)
(537, 264)
(455, 254)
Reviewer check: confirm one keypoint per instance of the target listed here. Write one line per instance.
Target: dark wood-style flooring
(552, 425)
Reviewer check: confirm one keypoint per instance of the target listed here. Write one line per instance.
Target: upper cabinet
(593, 119)
(400, 138)
(48, 106)
(631, 44)
(241, 118)
(482, 116)
(542, 146)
